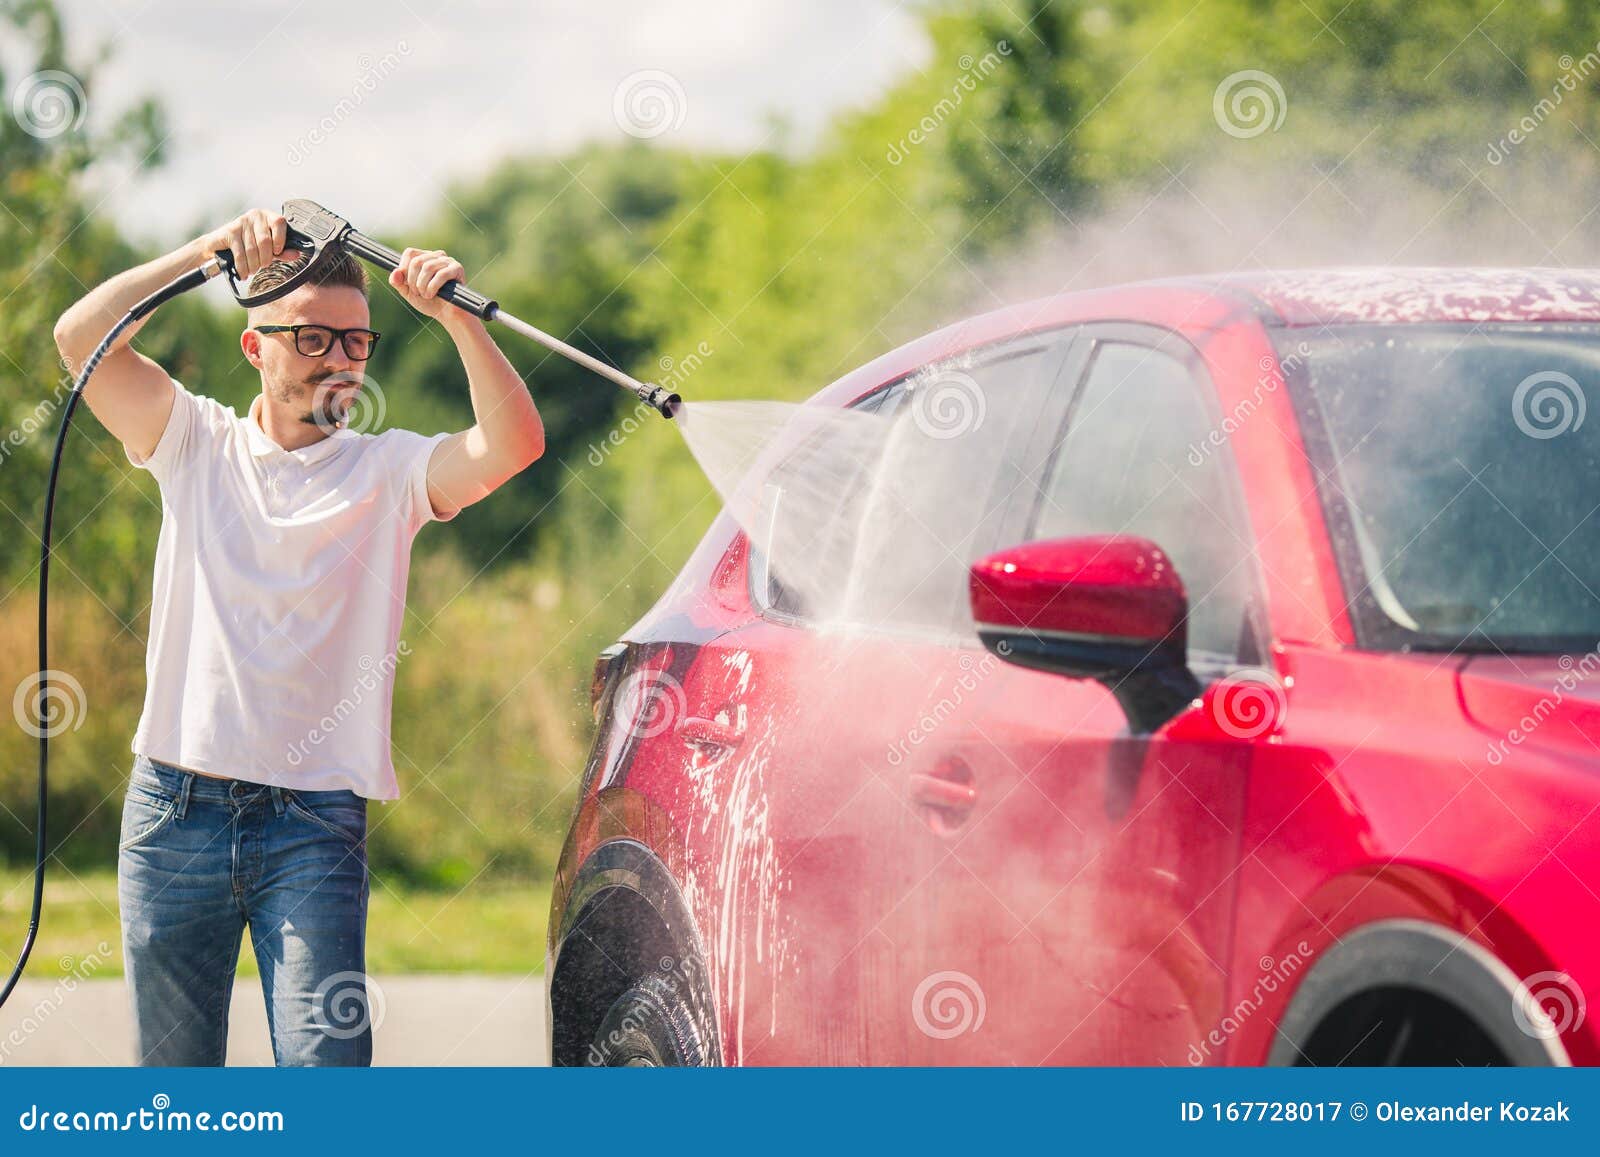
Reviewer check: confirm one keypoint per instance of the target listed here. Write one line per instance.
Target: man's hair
(342, 269)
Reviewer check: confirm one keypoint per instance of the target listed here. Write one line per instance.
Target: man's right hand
(130, 394)
(255, 239)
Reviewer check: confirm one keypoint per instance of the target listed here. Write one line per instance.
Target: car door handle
(947, 794)
(709, 740)
(698, 729)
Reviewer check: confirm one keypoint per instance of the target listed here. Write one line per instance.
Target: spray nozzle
(657, 398)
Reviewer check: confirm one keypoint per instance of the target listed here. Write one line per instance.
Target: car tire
(652, 1024)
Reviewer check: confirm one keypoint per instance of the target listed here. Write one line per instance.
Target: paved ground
(426, 1020)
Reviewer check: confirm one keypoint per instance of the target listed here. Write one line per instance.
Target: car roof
(1401, 295)
(1386, 295)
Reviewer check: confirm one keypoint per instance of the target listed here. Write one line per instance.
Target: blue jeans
(203, 857)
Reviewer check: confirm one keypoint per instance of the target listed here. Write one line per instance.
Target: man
(279, 591)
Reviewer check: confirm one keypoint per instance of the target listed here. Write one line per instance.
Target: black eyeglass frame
(339, 334)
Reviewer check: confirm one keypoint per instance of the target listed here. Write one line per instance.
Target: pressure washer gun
(320, 234)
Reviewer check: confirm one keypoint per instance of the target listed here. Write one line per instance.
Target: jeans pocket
(346, 820)
(144, 813)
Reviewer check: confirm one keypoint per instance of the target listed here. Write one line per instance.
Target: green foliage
(1424, 86)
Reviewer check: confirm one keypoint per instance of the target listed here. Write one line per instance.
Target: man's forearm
(87, 320)
(501, 405)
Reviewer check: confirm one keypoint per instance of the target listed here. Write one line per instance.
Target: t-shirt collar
(262, 445)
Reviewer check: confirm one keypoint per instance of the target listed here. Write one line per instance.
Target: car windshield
(1460, 478)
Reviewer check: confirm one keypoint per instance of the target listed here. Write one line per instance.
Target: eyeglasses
(316, 340)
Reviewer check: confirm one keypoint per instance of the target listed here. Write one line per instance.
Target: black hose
(191, 280)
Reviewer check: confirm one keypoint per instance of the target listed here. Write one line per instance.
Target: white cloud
(246, 88)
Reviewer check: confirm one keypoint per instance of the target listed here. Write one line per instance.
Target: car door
(1074, 882)
(861, 628)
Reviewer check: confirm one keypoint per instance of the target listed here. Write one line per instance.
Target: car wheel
(651, 1024)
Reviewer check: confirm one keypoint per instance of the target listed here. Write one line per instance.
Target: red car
(1205, 674)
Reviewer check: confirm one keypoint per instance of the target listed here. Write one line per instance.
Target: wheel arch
(625, 918)
(1417, 956)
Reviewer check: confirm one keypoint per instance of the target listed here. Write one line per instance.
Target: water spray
(319, 235)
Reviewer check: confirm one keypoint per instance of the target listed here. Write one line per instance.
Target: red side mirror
(1113, 586)
(1106, 607)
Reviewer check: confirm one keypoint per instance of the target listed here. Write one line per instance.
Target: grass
(487, 928)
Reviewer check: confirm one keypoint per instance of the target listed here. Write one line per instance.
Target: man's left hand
(420, 276)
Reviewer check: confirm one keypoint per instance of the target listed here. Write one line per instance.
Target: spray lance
(319, 235)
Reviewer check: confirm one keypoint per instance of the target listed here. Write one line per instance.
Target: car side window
(912, 516)
(1137, 459)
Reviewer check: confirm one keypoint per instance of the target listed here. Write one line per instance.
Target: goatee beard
(326, 412)
(331, 413)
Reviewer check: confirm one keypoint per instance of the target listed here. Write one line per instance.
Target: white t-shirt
(279, 591)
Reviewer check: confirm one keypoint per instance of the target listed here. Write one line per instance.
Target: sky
(374, 106)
